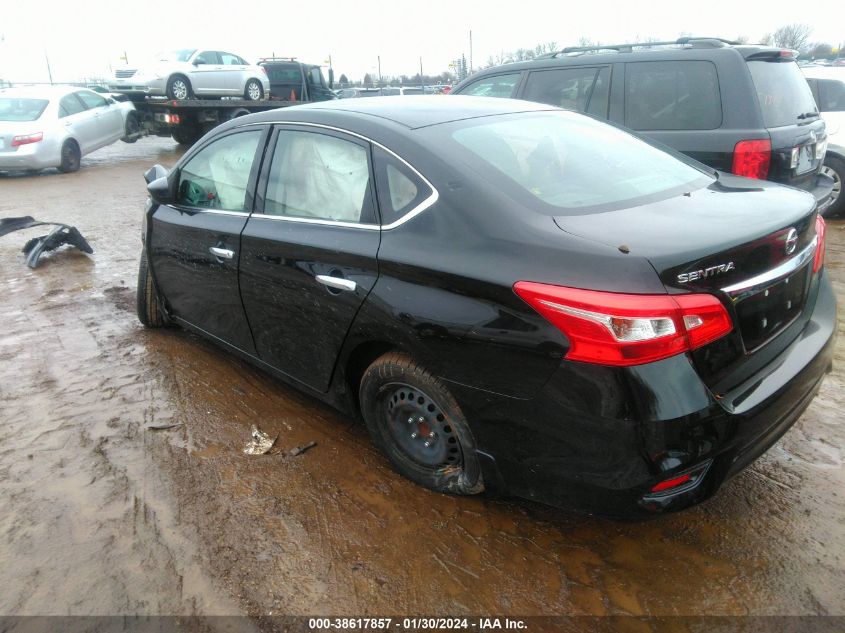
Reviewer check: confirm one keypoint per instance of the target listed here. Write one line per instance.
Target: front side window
(496, 86)
(568, 162)
(678, 95)
(315, 76)
(320, 177)
(400, 189)
(70, 105)
(217, 176)
(567, 88)
(181, 55)
(12, 109)
(91, 100)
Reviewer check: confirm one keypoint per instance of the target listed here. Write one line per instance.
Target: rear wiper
(808, 115)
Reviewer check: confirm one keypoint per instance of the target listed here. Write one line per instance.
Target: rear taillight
(752, 158)
(26, 139)
(821, 229)
(610, 328)
(263, 69)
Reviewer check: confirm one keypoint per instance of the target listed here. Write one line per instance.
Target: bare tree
(741, 39)
(794, 36)
(821, 49)
(767, 40)
(546, 48)
(522, 54)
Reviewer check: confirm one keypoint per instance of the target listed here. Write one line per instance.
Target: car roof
(41, 92)
(415, 112)
(824, 72)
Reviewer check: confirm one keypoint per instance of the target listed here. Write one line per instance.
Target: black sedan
(514, 298)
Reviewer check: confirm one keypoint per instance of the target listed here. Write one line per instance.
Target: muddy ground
(100, 516)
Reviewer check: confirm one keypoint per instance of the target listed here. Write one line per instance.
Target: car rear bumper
(33, 156)
(822, 190)
(599, 438)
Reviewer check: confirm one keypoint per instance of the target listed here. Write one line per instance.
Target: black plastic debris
(37, 246)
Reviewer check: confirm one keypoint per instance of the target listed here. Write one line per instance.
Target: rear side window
(677, 95)
(70, 105)
(497, 86)
(782, 91)
(578, 88)
(217, 176)
(400, 189)
(831, 95)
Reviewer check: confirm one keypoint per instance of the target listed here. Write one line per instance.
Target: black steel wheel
(71, 157)
(414, 419)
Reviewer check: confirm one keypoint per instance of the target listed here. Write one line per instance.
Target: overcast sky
(87, 37)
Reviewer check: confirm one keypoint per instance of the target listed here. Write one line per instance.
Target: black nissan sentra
(514, 298)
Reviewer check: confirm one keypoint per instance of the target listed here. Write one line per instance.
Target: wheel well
(183, 76)
(361, 358)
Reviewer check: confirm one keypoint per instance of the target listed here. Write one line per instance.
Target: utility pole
(378, 57)
(422, 83)
(470, 52)
(49, 72)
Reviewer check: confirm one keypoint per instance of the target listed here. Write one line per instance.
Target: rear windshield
(572, 162)
(784, 95)
(21, 109)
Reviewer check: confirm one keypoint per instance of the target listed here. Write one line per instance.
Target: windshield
(569, 161)
(181, 55)
(21, 109)
(784, 95)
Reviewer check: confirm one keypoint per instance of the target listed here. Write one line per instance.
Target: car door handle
(336, 282)
(222, 253)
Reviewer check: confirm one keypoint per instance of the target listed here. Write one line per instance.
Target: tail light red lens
(752, 158)
(617, 329)
(821, 230)
(26, 139)
(672, 483)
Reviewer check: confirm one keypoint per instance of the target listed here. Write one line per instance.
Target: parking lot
(181, 521)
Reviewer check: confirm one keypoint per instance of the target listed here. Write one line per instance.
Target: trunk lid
(746, 241)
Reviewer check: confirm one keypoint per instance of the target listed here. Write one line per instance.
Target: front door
(308, 252)
(205, 77)
(195, 244)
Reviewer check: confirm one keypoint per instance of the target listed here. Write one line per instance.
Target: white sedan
(55, 126)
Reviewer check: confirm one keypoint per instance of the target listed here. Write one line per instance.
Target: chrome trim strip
(751, 286)
(288, 218)
(422, 206)
(184, 209)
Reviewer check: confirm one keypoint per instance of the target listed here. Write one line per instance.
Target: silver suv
(194, 73)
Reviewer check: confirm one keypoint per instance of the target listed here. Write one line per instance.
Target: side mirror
(160, 191)
(154, 173)
(331, 77)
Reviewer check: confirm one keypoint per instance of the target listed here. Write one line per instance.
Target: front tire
(186, 135)
(179, 88)
(414, 419)
(71, 157)
(253, 90)
(147, 302)
(834, 166)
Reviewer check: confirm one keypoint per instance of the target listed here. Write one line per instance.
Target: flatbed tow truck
(186, 121)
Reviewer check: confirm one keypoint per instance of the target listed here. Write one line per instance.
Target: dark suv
(291, 80)
(741, 109)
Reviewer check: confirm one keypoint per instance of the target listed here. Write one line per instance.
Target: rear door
(580, 88)
(233, 73)
(194, 248)
(308, 256)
